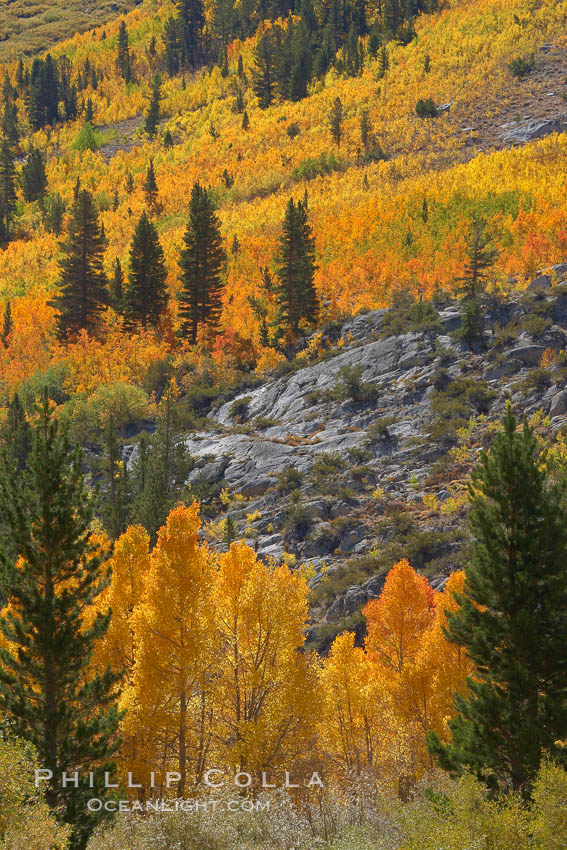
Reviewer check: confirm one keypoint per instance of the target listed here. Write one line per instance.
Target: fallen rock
(531, 130)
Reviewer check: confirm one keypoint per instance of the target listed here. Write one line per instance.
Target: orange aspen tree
(265, 689)
(398, 619)
(169, 708)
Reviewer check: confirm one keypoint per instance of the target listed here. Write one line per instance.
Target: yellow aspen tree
(353, 710)
(265, 681)
(169, 708)
(130, 564)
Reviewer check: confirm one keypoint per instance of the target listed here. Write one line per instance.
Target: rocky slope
(358, 456)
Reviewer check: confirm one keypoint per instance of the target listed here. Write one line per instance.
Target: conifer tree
(512, 620)
(202, 261)
(296, 294)
(162, 467)
(150, 187)
(146, 296)
(46, 689)
(153, 111)
(116, 507)
(34, 178)
(264, 71)
(84, 291)
(16, 434)
(117, 286)
(53, 212)
(336, 121)
(171, 46)
(8, 324)
(167, 140)
(480, 257)
(123, 61)
(7, 190)
(245, 121)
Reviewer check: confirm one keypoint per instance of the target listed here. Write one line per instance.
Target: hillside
(27, 27)
(373, 238)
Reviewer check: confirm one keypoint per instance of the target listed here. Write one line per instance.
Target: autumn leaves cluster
(379, 227)
(216, 674)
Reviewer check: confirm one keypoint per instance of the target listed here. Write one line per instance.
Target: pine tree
(16, 435)
(47, 691)
(8, 325)
(224, 67)
(365, 129)
(168, 140)
(117, 286)
(123, 62)
(83, 284)
(33, 177)
(240, 70)
(146, 296)
(264, 71)
(53, 213)
(202, 261)
(116, 506)
(191, 18)
(296, 294)
(171, 46)
(150, 187)
(512, 619)
(153, 111)
(162, 467)
(7, 190)
(245, 121)
(480, 257)
(336, 116)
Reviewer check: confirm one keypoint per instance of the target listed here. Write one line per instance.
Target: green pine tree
(513, 618)
(33, 177)
(480, 257)
(117, 286)
(264, 71)
(161, 468)
(123, 61)
(296, 294)
(7, 190)
(116, 506)
(153, 112)
(7, 325)
(151, 187)
(336, 117)
(202, 261)
(145, 298)
(47, 691)
(16, 434)
(83, 285)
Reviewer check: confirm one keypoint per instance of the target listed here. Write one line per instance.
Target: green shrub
(239, 408)
(122, 404)
(88, 138)
(351, 386)
(316, 166)
(520, 67)
(293, 130)
(289, 479)
(425, 108)
(378, 430)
